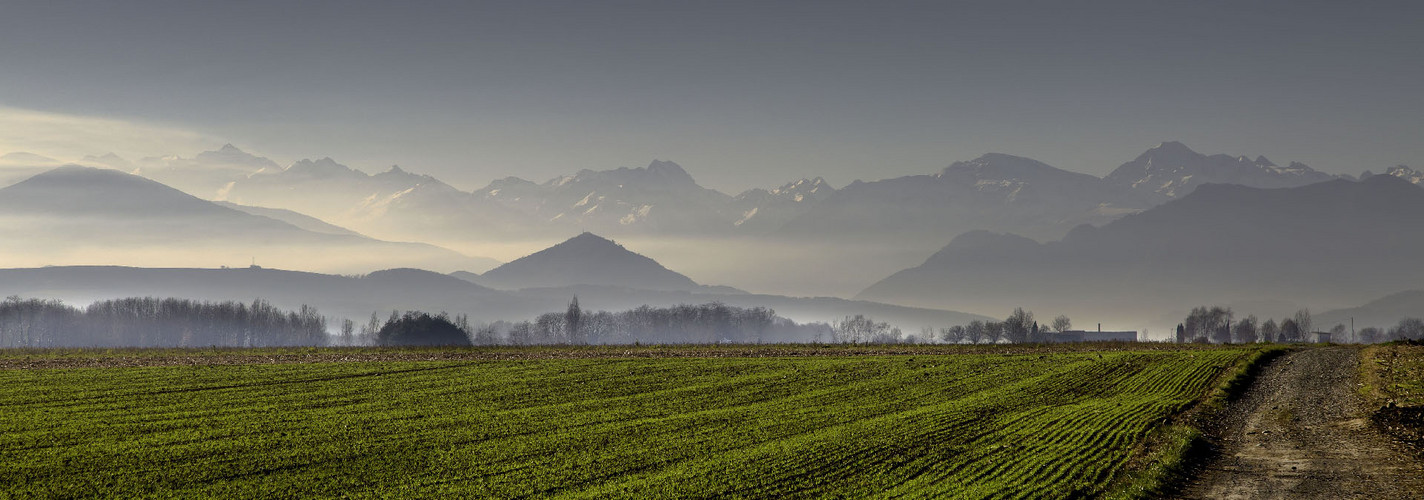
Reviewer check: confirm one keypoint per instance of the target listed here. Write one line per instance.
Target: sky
(741, 94)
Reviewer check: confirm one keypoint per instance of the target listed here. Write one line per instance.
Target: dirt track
(1301, 432)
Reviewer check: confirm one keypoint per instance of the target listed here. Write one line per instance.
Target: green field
(1026, 424)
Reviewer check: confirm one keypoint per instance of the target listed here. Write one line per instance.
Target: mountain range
(75, 214)
(1335, 242)
(994, 192)
(994, 210)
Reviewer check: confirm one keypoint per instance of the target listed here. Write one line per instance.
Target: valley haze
(1119, 163)
(1167, 230)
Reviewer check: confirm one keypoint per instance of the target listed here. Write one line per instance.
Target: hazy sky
(742, 94)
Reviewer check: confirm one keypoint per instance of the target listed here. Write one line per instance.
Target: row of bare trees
(1215, 325)
(155, 322)
(1406, 329)
(680, 324)
(1020, 327)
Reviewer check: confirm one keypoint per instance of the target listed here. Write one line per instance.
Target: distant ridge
(77, 215)
(1172, 170)
(1333, 242)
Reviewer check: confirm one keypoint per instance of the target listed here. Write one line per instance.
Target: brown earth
(1303, 431)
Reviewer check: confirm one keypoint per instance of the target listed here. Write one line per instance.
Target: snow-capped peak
(231, 155)
(1406, 173)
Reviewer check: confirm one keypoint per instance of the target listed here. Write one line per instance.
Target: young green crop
(972, 425)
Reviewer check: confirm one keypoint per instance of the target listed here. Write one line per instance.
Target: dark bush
(421, 329)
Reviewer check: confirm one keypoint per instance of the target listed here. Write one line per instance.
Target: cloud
(69, 137)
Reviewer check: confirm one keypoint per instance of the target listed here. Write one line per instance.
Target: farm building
(1091, 336)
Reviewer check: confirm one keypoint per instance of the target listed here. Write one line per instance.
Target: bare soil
(1303, 431)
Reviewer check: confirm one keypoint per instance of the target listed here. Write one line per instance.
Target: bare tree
(1018, 326)
(486, 335)
(952, 335)
(1290, 331)
(1209, 324)
(521, 333)
(976, 331)
(1270, 332)
(994, 332)
(1062, 323)
(1370, 335)
(1303, 321)
(1245, 330)
(573, 323)
(348, 332)
(1407, 329)
(368, 331)
(1337, 334)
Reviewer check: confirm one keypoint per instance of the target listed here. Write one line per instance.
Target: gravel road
(1301, 432)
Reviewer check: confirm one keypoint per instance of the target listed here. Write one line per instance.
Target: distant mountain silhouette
(394, 204)
(1331, 242)
(354, 297)
(586, 259)
(75, 190)
(660, 198)
(19, 165)
(322, 187)
(1172, 170)
(1382, 313)
(25, 158)
(76, 214)
(1402, 172)
(300, 220)
(995, 191)
(466, 275)
(844, 228)
(763, 211)
(108, 160)
(204, 175)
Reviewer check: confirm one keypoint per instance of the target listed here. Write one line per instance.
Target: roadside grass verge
(1392, 385)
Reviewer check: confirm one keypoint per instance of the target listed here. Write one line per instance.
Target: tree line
(1216, 324)
(709, 323)
(155, 322)
(1019, 327)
